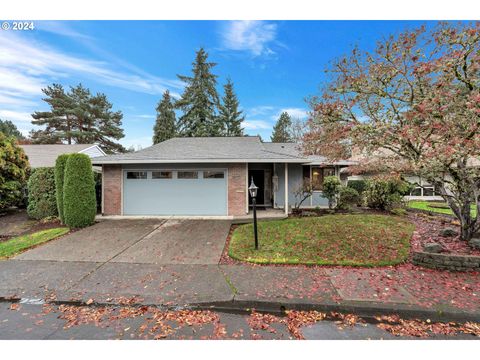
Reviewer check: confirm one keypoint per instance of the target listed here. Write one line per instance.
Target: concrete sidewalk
(407, 290)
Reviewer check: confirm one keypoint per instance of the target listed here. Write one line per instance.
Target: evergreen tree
(165, 125)
(281, 130)
(9, 129)
(199, 100)
(229, 114)
(78, 117)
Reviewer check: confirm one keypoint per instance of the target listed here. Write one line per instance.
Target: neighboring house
(45, 155)
(210, 176)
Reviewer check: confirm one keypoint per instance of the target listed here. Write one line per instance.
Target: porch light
(253, 193)
(253, 190)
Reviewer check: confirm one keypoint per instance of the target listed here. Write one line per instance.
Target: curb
(360, 309)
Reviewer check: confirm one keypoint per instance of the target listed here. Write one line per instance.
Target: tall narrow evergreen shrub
(79, 203)
(59, 179)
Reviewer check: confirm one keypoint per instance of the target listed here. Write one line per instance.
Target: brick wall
(112, 189)
(237, 189)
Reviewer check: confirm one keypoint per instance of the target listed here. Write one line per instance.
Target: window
(318, 174)
(213, 175)
(136, 174)
(187, 175)
(416, 192)
(428, 191)
(161, 174)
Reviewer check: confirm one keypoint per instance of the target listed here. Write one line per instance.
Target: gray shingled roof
(45, 155)
(210, 149)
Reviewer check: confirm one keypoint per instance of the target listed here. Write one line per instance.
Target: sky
(274, 65)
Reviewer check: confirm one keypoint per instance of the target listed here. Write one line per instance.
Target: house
(45, 155)
(209, 176)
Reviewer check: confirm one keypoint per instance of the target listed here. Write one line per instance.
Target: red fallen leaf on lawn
(15, 306)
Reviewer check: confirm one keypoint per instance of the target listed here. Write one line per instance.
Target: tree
(9, 129)
(331, 190)
(229, 115)
(281, 130)
(302, 192)
(78, 117)
(60, 164)
(297, 130)
(41, 194)
(79, 201)
(199, 100)
(414, 105)
(14, 169)
(165, 125)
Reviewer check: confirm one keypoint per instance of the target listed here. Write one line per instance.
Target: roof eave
(203, 161)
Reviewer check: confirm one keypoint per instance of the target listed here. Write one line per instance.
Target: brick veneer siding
(447, 261)
(237, 189)
(112, 190)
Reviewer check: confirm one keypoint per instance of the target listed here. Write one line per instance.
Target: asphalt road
(39, 321)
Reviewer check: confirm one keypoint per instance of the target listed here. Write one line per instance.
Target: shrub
(59, 180)
(331, 188)
(385, 194)
(14, 170)
(359, 185)
(347, 197)
(42, 202)
(79, 204)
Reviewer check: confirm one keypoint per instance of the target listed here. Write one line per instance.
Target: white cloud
(27, 66)
(15, 116)
(256, 125)
(136, 142)
(293, 112)
(249, 35)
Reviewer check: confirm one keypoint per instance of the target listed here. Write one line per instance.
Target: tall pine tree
(281, 130)
(9, 129)
(78, 117)
(165, 125)
(229, 115)
(199, 100)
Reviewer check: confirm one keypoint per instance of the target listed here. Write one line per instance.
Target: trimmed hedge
(59, 180)
(42, 202)
(79, 203)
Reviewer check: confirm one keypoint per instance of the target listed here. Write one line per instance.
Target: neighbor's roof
(45, 155)
(209, 150)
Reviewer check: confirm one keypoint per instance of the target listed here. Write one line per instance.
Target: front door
(259, 180)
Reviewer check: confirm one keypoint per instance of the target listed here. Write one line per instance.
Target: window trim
(222, 172)
(137, 178)
(188, 171)
(162, 171)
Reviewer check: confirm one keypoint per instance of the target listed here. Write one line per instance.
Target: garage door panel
(175, 196)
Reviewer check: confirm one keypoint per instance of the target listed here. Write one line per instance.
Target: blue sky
(274, 65)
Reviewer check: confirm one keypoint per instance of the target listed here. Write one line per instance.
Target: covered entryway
(165, 192)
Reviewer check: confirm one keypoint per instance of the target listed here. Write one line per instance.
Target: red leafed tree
(412, 105)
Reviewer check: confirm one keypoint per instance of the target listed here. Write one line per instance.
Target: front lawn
(357, 240)
(17, 244)
(436, 207)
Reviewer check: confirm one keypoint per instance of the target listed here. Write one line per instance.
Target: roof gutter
(203, 161)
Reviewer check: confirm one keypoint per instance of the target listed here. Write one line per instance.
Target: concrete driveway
(139, 241)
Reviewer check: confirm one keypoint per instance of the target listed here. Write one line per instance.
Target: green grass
(434, 207)
(18, 244)
(356, 240)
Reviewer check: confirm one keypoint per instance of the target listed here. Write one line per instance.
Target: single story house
(210, 176)
(45, 155)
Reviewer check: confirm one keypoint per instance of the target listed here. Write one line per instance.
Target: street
(36, 320)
